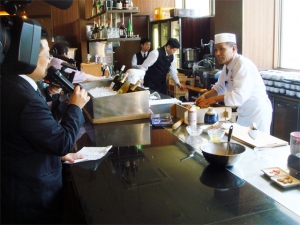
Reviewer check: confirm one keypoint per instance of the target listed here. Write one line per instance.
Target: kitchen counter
(143, 180)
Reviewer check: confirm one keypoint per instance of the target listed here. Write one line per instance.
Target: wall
(253, 23)
(251, 20)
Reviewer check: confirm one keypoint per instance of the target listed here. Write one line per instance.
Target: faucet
(210, 44)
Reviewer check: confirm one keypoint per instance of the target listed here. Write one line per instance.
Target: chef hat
(225, 37)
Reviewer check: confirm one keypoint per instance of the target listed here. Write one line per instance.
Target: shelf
(115, 39)
(114, 11)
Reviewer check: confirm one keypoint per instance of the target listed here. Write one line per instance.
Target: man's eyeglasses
(47, 57)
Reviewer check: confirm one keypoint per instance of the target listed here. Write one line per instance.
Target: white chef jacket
(152, 58)
(243, 87)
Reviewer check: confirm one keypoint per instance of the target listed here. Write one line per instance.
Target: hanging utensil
(228, 140)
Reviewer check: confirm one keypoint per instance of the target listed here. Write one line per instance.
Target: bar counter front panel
(142, 180)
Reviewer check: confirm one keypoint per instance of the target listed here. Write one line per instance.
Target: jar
(211, 116)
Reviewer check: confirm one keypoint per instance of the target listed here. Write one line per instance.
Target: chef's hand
(79, 97)
(180, 87)
(52, 89)
(204, 103)
(71, 157)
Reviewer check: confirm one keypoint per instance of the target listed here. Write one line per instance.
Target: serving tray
(281, 177)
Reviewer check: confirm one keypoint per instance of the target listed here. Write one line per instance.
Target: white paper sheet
(91, 153)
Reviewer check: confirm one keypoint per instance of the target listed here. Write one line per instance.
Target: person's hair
(230, 44)
(60, 48)
(144, 40)
(173, 43)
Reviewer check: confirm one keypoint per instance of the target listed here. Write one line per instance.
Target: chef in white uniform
(239, 84)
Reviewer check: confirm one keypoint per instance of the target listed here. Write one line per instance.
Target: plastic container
(295, 143)
(192, 117)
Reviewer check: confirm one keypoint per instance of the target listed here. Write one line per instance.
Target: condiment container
(211, 116)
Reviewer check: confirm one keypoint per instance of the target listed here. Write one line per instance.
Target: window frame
(278, 37)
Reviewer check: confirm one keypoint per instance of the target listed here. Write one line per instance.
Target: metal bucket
(191, 54)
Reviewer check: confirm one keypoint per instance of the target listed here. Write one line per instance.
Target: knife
(253, 132)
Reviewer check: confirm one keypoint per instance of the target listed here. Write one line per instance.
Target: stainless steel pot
(191, 54)
(215, 153)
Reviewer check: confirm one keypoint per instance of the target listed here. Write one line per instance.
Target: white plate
(274, 171)
(294, 182)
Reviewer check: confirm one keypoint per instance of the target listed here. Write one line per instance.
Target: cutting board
(240, 134)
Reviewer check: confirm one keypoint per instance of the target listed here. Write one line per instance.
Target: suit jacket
(32, 142)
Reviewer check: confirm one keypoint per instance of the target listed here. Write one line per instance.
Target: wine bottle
(119, 84)
(129, 29)
(132, 89)
(99, 5)
(117, 77)
(122, 30)
(124, 87)
(125, 4)
(94, 8)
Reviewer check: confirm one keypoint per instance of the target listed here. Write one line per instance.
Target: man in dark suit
(158, 64)
(139, 58)
(33, 143)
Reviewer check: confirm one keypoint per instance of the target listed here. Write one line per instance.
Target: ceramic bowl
(194, 132)
(216, 134)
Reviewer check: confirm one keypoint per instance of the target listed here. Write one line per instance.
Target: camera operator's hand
(71, 157)
(79, 97)
(52, 89)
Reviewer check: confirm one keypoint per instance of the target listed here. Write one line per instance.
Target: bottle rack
(113, 15)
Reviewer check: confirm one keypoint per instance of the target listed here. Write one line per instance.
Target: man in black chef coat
(158, 64)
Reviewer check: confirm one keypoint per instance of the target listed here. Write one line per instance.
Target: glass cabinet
(162, 31)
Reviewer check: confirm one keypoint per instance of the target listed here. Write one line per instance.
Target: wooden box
(92, 68)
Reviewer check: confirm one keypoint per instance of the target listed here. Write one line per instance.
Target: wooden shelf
(115, 39)
(114, 11)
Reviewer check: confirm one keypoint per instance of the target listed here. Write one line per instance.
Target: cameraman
(60, 48)
(32, 146)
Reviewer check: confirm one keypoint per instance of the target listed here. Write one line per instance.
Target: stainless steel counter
(166, 190)
(249, 168)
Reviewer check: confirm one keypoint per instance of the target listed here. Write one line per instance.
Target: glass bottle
(119, 4)
(118, 77)
(122, 30)
(133, 88)
(99, 4)
(118, 85)
(129, 29)
(124, 87)
(94, 8)
(125, 4)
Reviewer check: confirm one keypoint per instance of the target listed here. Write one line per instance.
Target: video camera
(55, 77)
(20, 38)
(61, 78)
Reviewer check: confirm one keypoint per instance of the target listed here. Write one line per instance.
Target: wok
(215, 153)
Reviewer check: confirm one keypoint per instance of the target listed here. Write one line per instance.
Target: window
(289, 34)
(205, 7)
